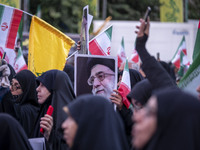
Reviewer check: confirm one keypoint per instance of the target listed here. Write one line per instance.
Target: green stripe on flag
(109, 32)
(122, 42)
(1, 12)
(126, 66)
(197, 44)
(193, 71)
(183, 39)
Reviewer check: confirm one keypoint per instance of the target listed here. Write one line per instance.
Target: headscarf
(99, 126)
(135, 76)
(12, 135)
(141, 92)
(27, 81)
(178, 121)
(169, 69)
(25, 109)
(59, 85)
(69, 69)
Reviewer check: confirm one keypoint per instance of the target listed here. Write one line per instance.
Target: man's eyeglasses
(15, 86)
(100, 76)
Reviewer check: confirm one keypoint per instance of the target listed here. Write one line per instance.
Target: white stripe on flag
(5, 22)
(104, 42)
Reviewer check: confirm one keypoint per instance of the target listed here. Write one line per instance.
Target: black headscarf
(99, 126)
(141, 92)
(169, 69)
(25, 109)
(12, 72)
(12, 135)
(59, 85)
(178, 121)
(27, 81)
(69, 69)
(135, 76)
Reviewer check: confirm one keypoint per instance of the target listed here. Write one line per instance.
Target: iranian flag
(176, 60)
(121, 53)
(184, 65)
(134, 56)
(19, 63)
(101, 44)
(190, 80)
(125, 86)
(10, 19)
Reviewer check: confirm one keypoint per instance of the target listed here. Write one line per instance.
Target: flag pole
(72, 54)
(18, 9)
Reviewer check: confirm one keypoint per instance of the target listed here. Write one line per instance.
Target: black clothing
(60, 87)
(12, 135)
(135, 76)
(125, 113)
(155, 73)
(69, 69)
(178, 121)
(24, 107)
(157, 76)
(99, 126)
(141, 92)
(169, 69)
(12, 72)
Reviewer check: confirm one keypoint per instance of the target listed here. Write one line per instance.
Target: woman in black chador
(12, 135)
(92, 124)
(169, 121)
(55, 88)
(21, 101)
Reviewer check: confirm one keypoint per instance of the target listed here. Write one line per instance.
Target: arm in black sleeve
(157, 75)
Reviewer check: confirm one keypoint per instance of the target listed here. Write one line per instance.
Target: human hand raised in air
(143, 28)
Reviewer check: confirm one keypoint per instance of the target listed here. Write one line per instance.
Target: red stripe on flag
(119, 61)
(95, 48)
(14, 25)
(23, 68)
(177, 63)
(184, 51)
(124, 91)
(135, 59)
(199, 25)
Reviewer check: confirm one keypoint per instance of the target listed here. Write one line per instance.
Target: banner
(13, 3)
(171, 11)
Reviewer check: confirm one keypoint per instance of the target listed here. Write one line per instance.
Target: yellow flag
(171, 11)
(48, 47)
(13, 3)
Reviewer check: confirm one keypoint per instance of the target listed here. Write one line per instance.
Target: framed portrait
(95, 75)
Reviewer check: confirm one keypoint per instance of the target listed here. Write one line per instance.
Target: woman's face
(42, 93)
(145, 123)
(70, 128)
(15, 87)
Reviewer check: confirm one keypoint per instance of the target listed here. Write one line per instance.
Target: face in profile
(15, 87)
(70, 128)
(42, 93)
(145, 124)
(102, 80)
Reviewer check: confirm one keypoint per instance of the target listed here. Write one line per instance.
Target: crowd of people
(161, 116)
